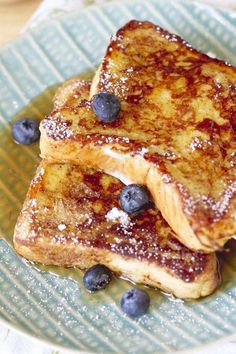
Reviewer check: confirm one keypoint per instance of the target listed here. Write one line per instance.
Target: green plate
(57, 309)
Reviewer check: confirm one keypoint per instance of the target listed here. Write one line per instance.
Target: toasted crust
(64, 221)
(71, 89)
(132, 269)
(175, 133)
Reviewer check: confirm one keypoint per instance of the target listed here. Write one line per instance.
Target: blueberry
(25, 131)
(97, 277)
(134, 198)
(106, 106)
(135, 302)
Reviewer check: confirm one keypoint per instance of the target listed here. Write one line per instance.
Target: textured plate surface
(58, 309)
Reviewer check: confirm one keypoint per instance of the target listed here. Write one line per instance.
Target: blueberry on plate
(106, 106)
(25, 131)
(135, 302)
(97, 277)
(134, 198)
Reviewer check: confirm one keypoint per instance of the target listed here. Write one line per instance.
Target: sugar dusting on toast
(88, 213)
(116, 214)
(57, 128)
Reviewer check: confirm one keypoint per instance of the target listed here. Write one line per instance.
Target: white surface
(14, 343)
(10, 341)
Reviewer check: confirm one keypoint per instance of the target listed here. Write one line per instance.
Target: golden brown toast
(175, 132)
(71, 90)
(71, 217)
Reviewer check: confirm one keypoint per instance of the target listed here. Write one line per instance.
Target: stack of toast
(175, 134)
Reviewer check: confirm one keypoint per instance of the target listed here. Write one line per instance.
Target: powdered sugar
(56, 128)
(196, 144)
(33, 203)
(38, 177)
(166, 178)
(119, 215)
(143, 151)
(61, 227)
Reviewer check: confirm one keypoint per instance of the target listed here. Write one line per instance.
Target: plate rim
(106, 4)
(43, 341)
(15, 327)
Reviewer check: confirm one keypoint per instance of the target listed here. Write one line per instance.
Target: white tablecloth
(12, 342)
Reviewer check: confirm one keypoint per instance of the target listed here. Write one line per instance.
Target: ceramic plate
(57, 309)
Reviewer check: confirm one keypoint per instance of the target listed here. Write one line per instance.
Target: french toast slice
(175, 133)
(71, 217)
